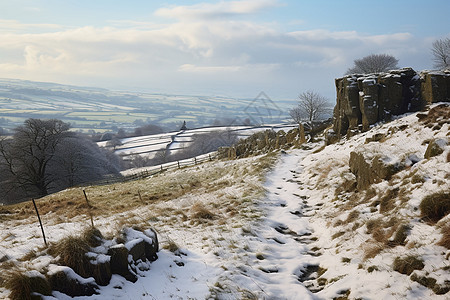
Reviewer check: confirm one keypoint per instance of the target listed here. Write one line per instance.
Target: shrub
(22, 285)
(406, 265)
(435, 206)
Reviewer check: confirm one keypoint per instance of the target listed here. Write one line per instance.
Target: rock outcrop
(363, 100)
(127, 258)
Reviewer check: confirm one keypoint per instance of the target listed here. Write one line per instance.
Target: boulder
(119, 262)
(63, 279)
(151, 249)
(100, 268)
(435, 148)
(136, 248)
(370, 169)
(435, 86)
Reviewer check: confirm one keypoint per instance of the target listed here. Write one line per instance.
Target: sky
(228, 48)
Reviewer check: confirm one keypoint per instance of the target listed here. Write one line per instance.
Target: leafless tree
(78, 160)
(28, 154)
(374, 63)
(43, 156)
(311, 106)
(441, 53)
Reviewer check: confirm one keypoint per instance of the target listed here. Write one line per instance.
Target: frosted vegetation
(289, 224)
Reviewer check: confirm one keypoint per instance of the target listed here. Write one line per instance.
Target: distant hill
(101, 110)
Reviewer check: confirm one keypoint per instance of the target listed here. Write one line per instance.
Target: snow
(148, 145)
(287, 229)
(53, 269)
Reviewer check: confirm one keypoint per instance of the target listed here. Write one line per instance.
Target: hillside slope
(101, 110)
(293, 225)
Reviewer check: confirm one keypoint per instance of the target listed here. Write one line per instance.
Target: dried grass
(200, 212)
(406, 265)
(72, 253)
(22, 286)
(435, 206)
(445, 240)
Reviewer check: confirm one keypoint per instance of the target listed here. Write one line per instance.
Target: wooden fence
(153, 170)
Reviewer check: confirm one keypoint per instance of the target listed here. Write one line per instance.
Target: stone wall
(363, 100)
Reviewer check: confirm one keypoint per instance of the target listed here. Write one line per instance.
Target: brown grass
(92, 236)
(387, 202)
(435, 206)
(406, 265)
(113, 199)
(400, 236)
(352, 216)
(200, 212)
(445, 240)
(22, 286)
(72, 253)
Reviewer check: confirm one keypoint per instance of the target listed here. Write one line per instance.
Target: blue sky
(233, 48)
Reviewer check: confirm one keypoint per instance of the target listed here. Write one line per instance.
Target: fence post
(140, 197)
(89, 207)
(40, 223)
(178, 164)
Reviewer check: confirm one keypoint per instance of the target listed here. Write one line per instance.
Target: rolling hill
(101, 110)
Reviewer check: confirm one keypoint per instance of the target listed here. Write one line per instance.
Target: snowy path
(269, 258)
(285, 258)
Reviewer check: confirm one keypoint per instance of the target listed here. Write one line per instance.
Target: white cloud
(214, 54)
(13, 26)
(217, 10)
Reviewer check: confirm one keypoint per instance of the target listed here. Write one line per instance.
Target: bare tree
(78, 160)
(43, 156)
(441, 53)
(374, 63)
(297, 114)
(29, 153)
(311, 106)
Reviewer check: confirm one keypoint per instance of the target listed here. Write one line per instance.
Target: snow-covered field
(283, 226)
(149, 145)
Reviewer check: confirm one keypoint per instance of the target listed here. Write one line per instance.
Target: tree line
(44, 156)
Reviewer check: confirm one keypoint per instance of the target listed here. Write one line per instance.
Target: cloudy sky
(232, 48)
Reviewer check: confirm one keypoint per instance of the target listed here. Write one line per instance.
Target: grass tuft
(406, 265)
(171, 246)
(400, 236)
(72, 253)
(352, 216)
(435, 206)
(92, 236)
(22, 286)
(445, 240)
(199, 211)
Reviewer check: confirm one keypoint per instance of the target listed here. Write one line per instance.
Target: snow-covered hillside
(149, 145)
(288, 225)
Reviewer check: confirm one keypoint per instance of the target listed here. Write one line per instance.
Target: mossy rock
(406, 265)
(435, 148)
